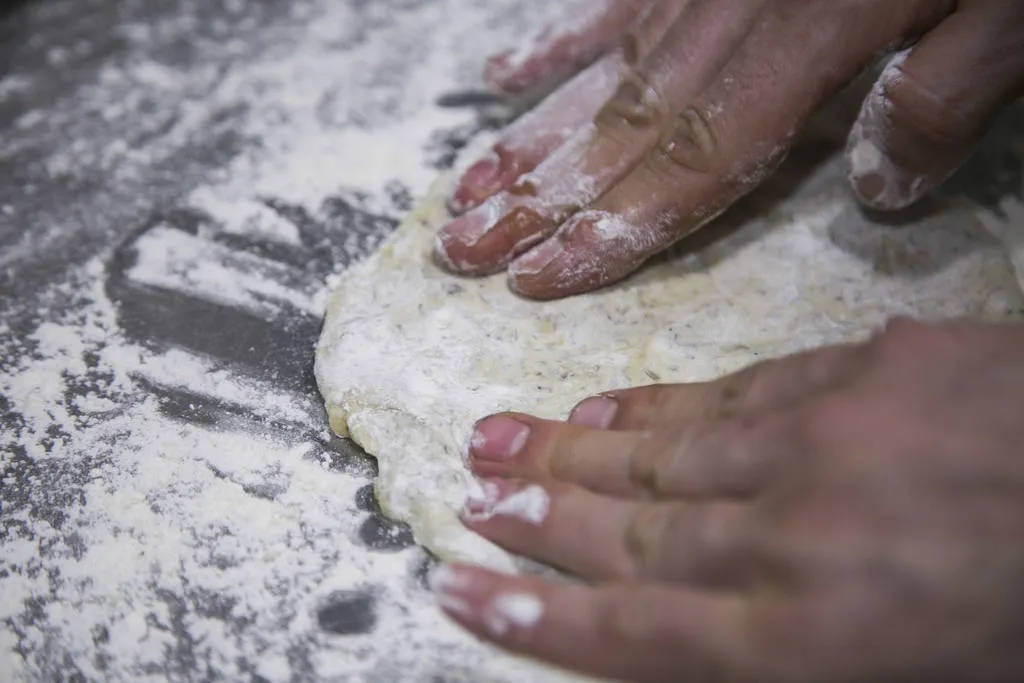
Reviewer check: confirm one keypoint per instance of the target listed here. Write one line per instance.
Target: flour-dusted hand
(706, 98)
(849, 514)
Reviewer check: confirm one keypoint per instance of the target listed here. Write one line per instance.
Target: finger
(516, 445)
(535, 135)
(695, 46)
(585, 30)
(721, 145)
(933, 103)
(694, 460)
(601, 538)
(645, 633)
(769, 385)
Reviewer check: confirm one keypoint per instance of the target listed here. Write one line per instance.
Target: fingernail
(476, 599)
(467, 228)
(478, 183)
(450, 586)
(500, 498)
(498, 439)
(537, 259)
(597, 412)
(454, 242)
(515, 610)
(480, 504)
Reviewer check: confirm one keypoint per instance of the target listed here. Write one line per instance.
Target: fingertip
(455, 244)
(492, 605)
(591, 250)
(440, 253)
(878, 182)
(529, 275)
(498, 438)
(485, 178)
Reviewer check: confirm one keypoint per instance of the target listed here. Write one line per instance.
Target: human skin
(851, 514)
(695, 102)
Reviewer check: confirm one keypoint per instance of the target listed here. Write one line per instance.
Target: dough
(411, 357)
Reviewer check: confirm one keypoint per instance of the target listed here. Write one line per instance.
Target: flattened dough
(410, 357)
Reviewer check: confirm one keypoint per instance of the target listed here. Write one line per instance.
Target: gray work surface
(112, 114)
(156, 325)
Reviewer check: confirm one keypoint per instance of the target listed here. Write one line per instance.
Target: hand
(851, 514)
(710, 96)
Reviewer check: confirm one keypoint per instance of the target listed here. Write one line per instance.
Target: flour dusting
(174, 506)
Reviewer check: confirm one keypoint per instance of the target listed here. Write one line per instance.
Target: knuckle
(734, 394)
(563, 461)
(644, 535)
(747, 447)
(714, 459)
(637, 105)
(688, 143)
(647, 466)
(713, 530)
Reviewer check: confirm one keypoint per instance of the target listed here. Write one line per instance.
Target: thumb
(932, 104)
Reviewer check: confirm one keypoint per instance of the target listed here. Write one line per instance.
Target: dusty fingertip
(480, 181)
(449, 585)
(441, 257)
(526, 273)
(446, 578)
(473, 600)
(520, 611)
(502, 498)
(878, 181)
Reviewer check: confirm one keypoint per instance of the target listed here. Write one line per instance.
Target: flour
(519, 610)
(529, 505)
(168, 514)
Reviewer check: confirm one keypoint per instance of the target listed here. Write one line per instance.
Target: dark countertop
(112, 113)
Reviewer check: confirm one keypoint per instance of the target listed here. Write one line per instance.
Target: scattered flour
(157, 523)
(518, 610)
(530, 505)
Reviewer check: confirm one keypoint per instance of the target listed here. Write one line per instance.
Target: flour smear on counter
(142, 539)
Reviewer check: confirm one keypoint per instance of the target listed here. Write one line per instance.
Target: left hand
(695, 103)
(851, 514)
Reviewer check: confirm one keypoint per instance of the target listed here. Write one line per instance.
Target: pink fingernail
(597, 412)
(478, 600)
(478, 183)
(450, 586)
(498, 439)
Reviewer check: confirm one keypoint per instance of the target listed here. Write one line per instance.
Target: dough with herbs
(410, 357)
